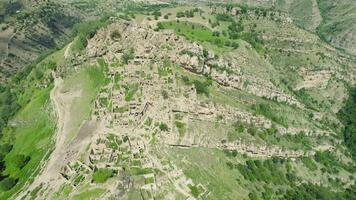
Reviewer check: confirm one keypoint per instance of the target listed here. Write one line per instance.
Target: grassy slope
(88, 81)
(32, 138)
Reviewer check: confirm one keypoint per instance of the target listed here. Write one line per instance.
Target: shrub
(163, 127)
(202, 87)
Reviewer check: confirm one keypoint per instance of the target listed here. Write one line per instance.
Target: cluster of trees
(307, 191)
(156, 14)
(277, 171)
(8, 105)
(18, 161)
(347, 116)
(268, 171)
(235, 31)
(187, 13)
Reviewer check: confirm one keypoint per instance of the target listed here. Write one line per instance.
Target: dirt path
(67, 51)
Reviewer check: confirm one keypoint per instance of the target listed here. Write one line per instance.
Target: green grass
(221, 183)
(121, 109)
(140, 171)
(149, 180)
(194, 190)
(89, 194)
(181, 128)
(130, 91)
(197, 32)
(102, 175)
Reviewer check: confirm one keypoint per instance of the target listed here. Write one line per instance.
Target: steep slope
(184, 103)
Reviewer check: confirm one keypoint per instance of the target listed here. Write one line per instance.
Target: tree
(8, 183)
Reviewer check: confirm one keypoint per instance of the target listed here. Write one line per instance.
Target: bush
(163, 127)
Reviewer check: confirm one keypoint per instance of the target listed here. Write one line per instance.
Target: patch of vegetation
(89, 194)
(140, 171)
(89, 80)
(181, 128)
(149, 180)
(130, 91)
(267, 111)
(309, 163)
(102, 175)
(85, 31)
(200, 33)
(202, 87)
(328, 160)
(264, 171)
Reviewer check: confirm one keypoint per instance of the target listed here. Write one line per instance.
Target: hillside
(31, 30)
(182, 101)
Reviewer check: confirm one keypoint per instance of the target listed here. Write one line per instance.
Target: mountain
(180, 100)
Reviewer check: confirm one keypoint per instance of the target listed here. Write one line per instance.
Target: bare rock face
(190, 63)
